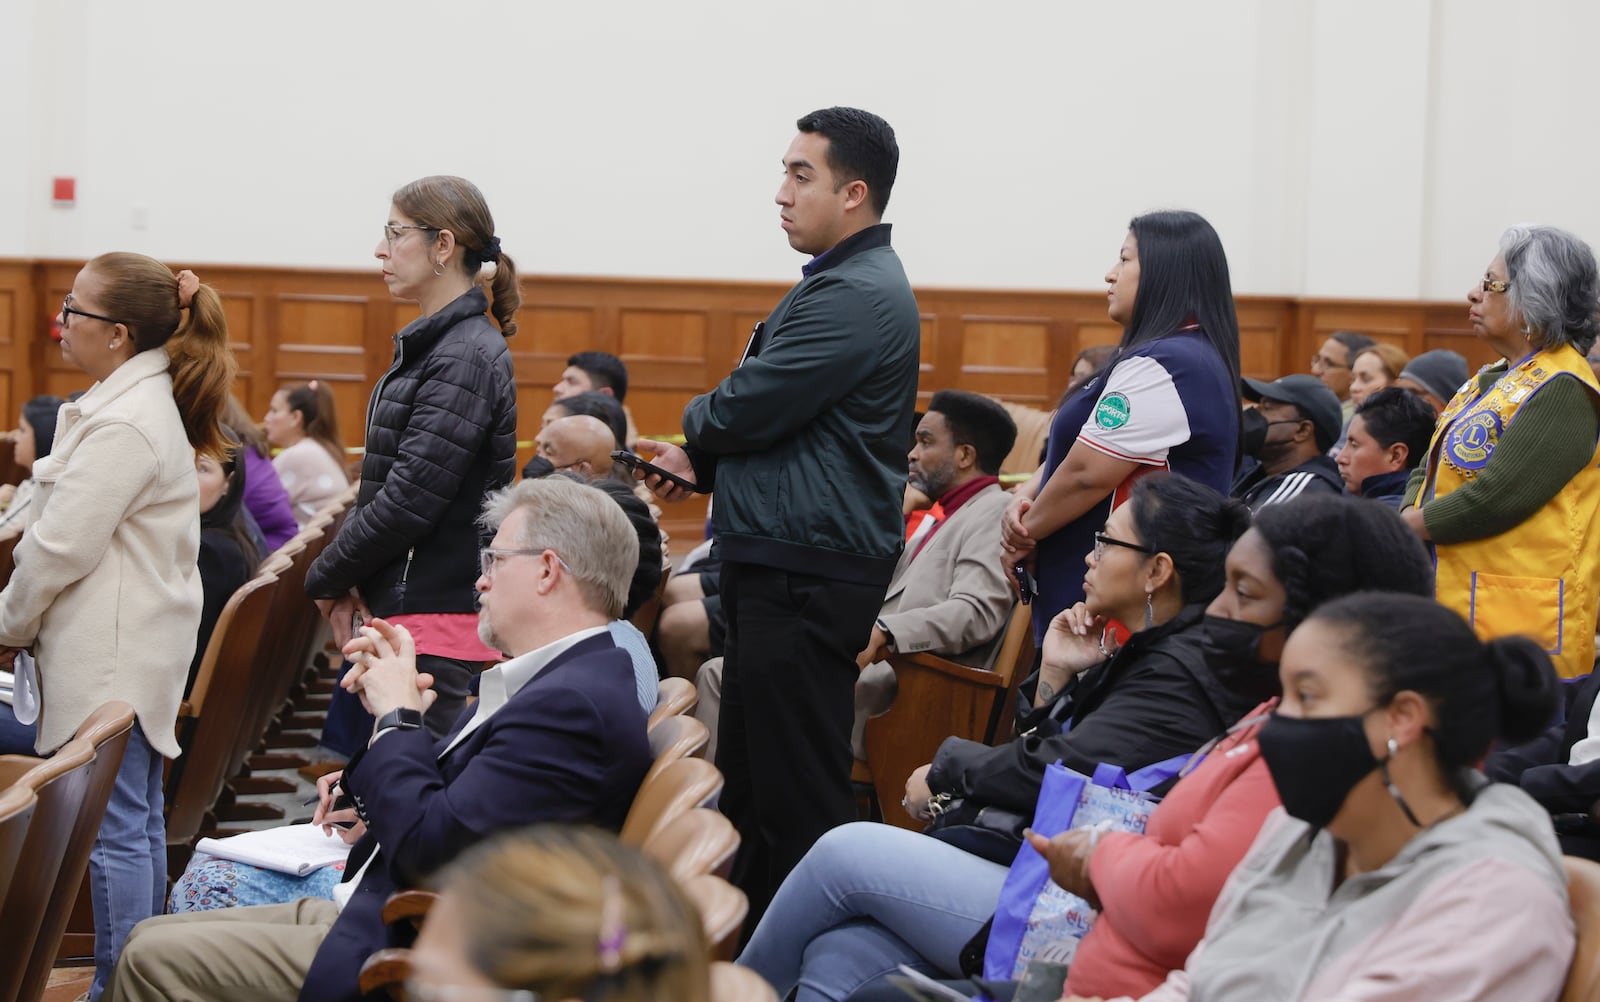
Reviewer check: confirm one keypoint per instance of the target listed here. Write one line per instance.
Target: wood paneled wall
(678, 338)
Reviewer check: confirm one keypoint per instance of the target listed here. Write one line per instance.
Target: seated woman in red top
(1156, 890)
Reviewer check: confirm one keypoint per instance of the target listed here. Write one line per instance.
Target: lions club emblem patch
(1472, 440)
(1112, 411)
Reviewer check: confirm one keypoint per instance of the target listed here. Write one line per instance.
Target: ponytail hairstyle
(570, 912)
(318, 416)
(1478, 692)
(176, 312)
(455, 204)
(1192, 524)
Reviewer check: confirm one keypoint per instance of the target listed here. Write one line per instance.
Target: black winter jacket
(1153, 700)
(441, 434)
(1542, 766)
(806, 440)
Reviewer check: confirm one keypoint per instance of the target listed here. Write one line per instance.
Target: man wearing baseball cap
(1302, 423)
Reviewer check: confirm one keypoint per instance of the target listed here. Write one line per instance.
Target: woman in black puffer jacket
(441, 433)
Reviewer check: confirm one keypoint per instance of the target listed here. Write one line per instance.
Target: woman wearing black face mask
(1156, 889)
(1384, 874)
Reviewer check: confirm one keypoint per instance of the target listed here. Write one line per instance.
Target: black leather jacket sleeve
(1153, 713)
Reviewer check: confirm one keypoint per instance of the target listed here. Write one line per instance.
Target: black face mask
(1232, 649)
(1254, 424)
(1316, 761)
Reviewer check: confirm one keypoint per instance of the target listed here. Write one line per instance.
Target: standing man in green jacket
(805, 445)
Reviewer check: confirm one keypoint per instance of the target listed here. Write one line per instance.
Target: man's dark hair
(1394, 415)
(861, 147)
(647, 576)
(598, 405)
(604, 370)
(1353, 344)
(977, 421)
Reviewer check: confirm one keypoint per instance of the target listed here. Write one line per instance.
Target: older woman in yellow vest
(1510, 492)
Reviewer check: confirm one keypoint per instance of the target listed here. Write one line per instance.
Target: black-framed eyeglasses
(1326, 362)
(1101, 541)
(394, 231)
(1495, 285)
(68, 310)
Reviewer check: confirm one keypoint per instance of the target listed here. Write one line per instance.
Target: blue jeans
(867, 898)
(128, 865)
(16, 738)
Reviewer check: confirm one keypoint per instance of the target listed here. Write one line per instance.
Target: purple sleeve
(267, 500)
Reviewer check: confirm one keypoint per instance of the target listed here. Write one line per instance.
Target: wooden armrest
(12, 767)
(387, 969)
(404, 905)
(944, 666)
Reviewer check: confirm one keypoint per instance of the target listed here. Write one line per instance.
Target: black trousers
(788, 699)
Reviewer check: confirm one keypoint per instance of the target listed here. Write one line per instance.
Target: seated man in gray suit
(949, 593)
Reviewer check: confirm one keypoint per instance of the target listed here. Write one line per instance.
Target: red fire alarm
(64, 190)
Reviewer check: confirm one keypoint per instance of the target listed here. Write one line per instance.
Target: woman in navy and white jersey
(1169, 400)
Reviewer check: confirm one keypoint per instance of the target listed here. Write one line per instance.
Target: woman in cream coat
(106, 593)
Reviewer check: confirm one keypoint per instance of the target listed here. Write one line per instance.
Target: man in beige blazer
(949, 594)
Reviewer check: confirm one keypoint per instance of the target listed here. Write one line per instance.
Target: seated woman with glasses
(1156, 565)
(1393, 870)
(559, 912)
(1511, 483)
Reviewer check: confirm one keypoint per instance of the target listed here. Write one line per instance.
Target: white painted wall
(1363, 148)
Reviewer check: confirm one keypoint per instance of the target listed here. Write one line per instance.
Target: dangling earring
(1394, 791)
(438, 269)
(1149, 609)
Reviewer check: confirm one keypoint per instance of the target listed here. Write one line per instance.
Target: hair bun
(1527, 684)
(1235, 518)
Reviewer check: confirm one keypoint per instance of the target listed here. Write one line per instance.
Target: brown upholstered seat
(732, 983)
(696, 842)
(16, 810)
(684, 784)
(1583, 888)
(61, 783)
(217, 707)
(677, 696)
(722, 909)
(673, 738)
(106, 731)
(937, 699)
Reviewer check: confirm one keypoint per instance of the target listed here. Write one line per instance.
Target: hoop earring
(438, 270)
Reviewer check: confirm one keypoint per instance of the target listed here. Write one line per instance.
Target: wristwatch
(401, 718)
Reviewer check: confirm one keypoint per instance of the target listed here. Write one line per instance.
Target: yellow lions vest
(1542, 578)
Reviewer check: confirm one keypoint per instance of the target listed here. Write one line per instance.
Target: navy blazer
(569, 746)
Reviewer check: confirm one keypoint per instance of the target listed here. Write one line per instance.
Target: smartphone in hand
(1027, 586)
(635, 464)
